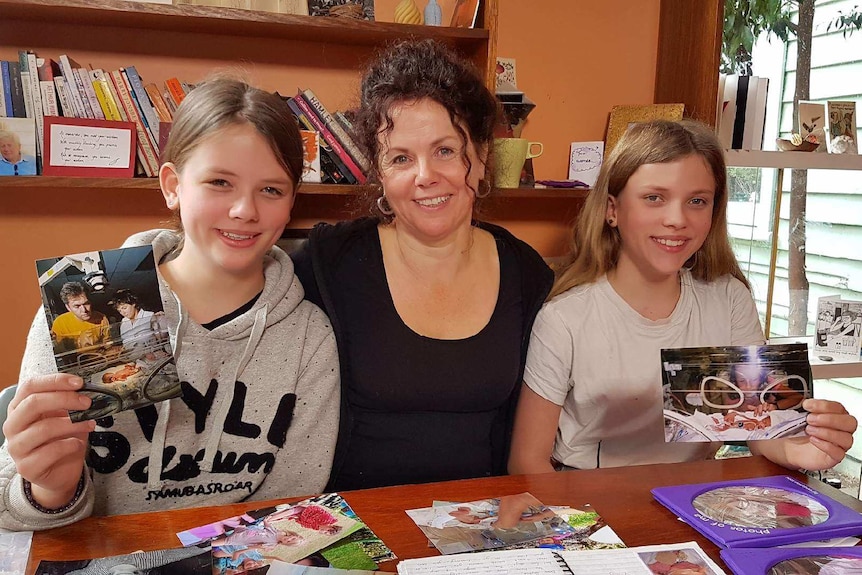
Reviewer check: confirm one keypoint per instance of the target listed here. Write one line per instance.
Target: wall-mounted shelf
(64, 183)
(792, 160)
(226, 22)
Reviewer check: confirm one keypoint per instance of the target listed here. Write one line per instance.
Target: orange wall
(575, 60)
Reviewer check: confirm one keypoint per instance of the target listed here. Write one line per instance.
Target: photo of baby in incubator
(107, 325)
(735, 393)
(760, 507)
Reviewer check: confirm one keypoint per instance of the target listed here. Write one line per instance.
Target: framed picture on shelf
(18, 147)
(359, 9)
(465, 14)
(622, 116)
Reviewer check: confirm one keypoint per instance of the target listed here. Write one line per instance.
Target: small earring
(383, 206)
(172, 202)
(612, 222)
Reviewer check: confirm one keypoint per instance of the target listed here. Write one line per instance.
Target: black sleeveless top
(423, 409)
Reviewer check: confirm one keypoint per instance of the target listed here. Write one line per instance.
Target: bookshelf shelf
(63, 184)
(230, 22)
(792, 160)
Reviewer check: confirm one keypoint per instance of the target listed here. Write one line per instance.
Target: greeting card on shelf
(842, 127)
(506, 75)
(89, 148)
(759, 512)
(585, 161)
(839, 328)
(812, 123)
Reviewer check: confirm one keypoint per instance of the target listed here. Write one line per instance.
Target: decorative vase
(433, 14)
(406, 12)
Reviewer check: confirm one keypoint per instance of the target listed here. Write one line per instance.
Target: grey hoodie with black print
(257, 420)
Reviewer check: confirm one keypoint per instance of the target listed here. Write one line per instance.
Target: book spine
(109, 84)
(24, 73)
(2, 95)
(19, 109)
(340, 134)
(49, 98)
(36, 96)
(90, 93)
(161, 108)
(7, 89)
(169, 101)
(77, 104)
(143, 100)
(146, 153)
(140, 111)
(739, 121)
(330, 161)
(103, 95)
(330, 139)
(176, 90)
(66, 108)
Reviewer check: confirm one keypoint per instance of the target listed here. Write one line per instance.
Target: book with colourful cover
(735, 393)
(463, 527)
(104, 311)
(759, 512)
(321, 128)
(793, 560)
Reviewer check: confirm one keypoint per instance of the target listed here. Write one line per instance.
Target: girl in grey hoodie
(258, 364)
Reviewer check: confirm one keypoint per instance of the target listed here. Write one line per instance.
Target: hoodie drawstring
(157, 446)
(217, 425)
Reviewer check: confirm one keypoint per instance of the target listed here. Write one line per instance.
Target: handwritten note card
(89, 147)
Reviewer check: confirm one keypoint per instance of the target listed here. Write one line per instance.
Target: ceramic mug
(509, 157)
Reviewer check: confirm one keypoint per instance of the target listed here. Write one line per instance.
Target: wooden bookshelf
(65, 184)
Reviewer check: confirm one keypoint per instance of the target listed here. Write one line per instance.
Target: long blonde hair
(595, 247)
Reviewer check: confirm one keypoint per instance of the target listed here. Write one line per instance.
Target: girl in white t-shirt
(651, 267)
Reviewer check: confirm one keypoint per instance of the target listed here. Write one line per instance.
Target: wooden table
(620, 495)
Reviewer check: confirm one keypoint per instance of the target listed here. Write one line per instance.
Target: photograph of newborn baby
(735, 393)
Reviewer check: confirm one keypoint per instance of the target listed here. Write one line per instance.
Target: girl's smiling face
(663, 215)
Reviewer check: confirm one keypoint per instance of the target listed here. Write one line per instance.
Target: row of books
(35, 87)
(741, 111)
(341, 160)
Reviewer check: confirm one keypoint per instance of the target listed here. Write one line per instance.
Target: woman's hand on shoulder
(829, 434)
(47, 447)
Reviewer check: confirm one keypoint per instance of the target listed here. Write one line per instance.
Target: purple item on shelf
(760, 512)
(563, 183)
(793, 560)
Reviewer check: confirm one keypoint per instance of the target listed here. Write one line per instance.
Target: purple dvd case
(759, 512)
(793, 560)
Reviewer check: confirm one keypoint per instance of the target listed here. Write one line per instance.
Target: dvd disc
(760, 507)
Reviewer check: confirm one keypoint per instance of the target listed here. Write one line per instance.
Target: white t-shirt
(599, 359)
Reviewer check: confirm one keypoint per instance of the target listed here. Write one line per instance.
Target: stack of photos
(735, 393)
(108, 326)
(760, 512)
(320, 532)
(183, 561)
(590, 531)
(792, 561)
(462, 527)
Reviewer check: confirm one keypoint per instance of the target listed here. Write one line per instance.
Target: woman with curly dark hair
(432, 309)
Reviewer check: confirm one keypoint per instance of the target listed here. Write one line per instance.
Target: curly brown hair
(413, 70)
